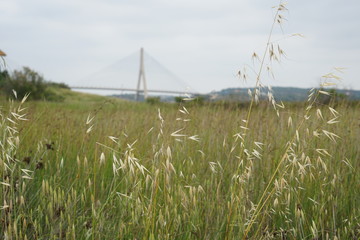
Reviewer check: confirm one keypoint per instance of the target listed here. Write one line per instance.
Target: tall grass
(120, 170)
(128, 178)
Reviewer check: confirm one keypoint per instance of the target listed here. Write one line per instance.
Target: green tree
(28, 81)
(4, 77)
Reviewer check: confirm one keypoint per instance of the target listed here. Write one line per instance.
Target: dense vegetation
(28, 81)
(106, 169)
(286, 94)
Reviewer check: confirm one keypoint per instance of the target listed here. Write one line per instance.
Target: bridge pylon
(141, 77)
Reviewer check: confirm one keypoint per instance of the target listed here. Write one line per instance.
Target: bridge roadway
(133, 90)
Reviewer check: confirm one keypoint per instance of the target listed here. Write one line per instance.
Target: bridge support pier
(141, 77)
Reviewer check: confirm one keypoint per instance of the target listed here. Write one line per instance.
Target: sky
(203, 42)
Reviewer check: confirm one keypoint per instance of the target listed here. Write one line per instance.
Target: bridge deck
(132, 90)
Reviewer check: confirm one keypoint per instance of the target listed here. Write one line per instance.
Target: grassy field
(98, 168)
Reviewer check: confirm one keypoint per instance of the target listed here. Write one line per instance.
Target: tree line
(28, 81)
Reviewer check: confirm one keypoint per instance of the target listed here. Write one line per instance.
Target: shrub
(332, 97)
(153, 100)
(196, 100)
(179, 99)
(59, 85)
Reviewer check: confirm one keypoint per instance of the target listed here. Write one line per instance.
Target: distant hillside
(280, 94)
(286, 94)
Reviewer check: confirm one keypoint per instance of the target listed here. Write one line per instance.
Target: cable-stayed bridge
(138, 73)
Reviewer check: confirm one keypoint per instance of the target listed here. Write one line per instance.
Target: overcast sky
(203, 42)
